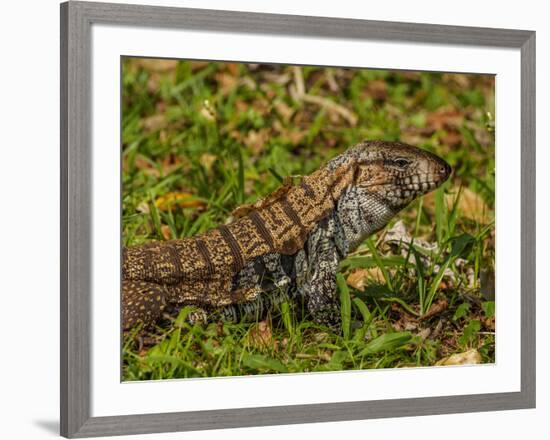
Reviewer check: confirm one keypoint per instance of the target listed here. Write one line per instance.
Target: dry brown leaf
(154, 123)
(226, 82)
(256, 139)
(260, 335)
(144, 165)
(295, 136)
(207, 160)
(463, 80)
(207, 111)
(452, 138)
(153, 83)
(471, 206)
(406, 322)
(436, 308)
(425, 333)
(358, 279)
(444, 118)
(166, 232)
(284, 110)
(377, 89)
(143, 207)
(233, 68)
(171, 200)
(489, 323)
(170, 162)
(198, 65)
(241, 106)
(468, 357)
(156, 65)
(272, 77)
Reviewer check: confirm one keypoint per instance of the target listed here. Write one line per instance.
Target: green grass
(200, 139)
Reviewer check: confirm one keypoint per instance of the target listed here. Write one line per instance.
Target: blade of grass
(386, 342)
(240, 178)
(440, 215)
(420, 279)
(155, 216)
(418, 216)
(345, 305)
(287, 317)
(459, 245)
(379, 263)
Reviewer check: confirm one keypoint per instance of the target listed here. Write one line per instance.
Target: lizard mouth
(406, 189)
(411, 184)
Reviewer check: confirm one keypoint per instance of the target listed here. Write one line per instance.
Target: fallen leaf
(241, 106)
(463, 80)
(284, 110)
(277, 78)
(452, 138)
(233, 68)
(471, 206)
(170, 200)
(154, 123)
(377, 89)
(489, 323)
(358, 278)
(436, 308)
(143, 207)
(207, 160)
(406, 321)
(425, 333)
(260, 335)
(443, 118)
(207, 111)
(147, 167)
(198, 65)
(156, 64)
(226, 82)
(256, 139)
(166, 232)
(468, 357)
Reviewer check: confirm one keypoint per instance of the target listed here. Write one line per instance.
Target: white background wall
(29, 206)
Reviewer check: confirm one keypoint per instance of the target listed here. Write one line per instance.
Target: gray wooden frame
(77, 19)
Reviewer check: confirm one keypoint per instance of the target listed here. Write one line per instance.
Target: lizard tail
(141, 302)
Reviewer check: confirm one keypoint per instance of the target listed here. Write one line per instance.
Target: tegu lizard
(288, 243)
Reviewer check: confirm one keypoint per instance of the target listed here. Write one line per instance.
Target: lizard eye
(401, 162)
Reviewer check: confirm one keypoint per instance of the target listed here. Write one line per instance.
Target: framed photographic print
(272, 219)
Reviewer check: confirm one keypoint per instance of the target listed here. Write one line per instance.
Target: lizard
(287, 243)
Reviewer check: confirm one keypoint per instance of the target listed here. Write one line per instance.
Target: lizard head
(397, 173)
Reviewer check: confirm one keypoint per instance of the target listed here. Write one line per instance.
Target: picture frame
(77, 20)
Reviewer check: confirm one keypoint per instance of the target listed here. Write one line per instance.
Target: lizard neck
(359, 214)
(329, 183)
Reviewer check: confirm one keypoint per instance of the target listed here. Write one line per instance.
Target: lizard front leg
(319, 284)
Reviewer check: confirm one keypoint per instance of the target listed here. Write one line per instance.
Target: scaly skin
(286, 244)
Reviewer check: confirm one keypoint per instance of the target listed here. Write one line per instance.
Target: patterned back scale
(200, 269)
